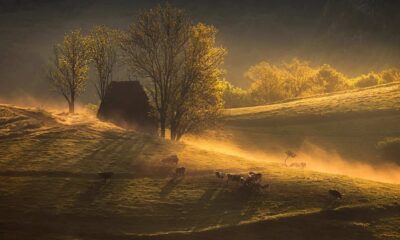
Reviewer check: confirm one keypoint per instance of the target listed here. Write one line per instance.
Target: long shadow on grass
(91, 193)
(331, 205)
(226, 205)
(169, 186)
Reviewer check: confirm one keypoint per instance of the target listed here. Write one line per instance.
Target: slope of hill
(365, 100)
(348, 123)
(49, 189)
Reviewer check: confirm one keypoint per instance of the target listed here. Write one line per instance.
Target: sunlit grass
(384, 97)
(48, 181)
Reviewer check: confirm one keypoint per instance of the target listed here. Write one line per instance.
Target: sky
(354, 36)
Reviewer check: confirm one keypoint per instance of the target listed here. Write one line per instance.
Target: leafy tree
(267, 83)
(390, 75)
(367, 80)
(103, 51)
(197, 96)
(329, 79)
(154, 48)
(298, 78)
(272, 83)
(182, 64)
(291, 79)
(234, 96)
(69, 71)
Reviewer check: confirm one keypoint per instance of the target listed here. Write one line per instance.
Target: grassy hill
(49, 189)
(348, 123)
(378, 98)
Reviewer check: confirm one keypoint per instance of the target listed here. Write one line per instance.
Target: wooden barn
(127, 105)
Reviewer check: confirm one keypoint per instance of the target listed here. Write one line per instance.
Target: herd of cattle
(251, 181)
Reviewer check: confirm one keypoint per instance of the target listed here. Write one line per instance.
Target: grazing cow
(228, 177)
(233, 177)
(335, 194)
(243, 180)
(105, 175)
(254, 177)
(301, 165)
(220, 175)
(170, 160)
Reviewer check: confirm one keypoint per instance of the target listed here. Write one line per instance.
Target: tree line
(271, 83)
(178, 61)
(180, 65)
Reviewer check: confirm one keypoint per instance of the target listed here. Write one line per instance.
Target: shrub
(329, 79)
(390, 75)
(389, 148)
(234, 96)
(368, 80)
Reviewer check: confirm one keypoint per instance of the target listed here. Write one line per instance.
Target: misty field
(50, 189)
(349, 123)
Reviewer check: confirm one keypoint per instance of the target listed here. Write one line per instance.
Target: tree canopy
(69, 70)
(103, 52)
(182, 64)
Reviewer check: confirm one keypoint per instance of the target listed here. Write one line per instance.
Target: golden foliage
(69, 71)
(271, 83)
(154, 49)
(103, 49)
(197, 98)
(182, 64)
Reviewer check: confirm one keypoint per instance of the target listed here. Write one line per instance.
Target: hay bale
(127, 105)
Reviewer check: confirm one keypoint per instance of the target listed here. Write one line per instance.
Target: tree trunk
(71, 105)
(162, 126)
(173, 132)
(178, 136)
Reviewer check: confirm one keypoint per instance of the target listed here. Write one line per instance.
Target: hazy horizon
(354, 36)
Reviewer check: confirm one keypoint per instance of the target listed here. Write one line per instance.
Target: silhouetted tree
(154, 47)
(69, 71)
(181, 62)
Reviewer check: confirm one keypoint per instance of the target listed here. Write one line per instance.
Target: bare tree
(103, 51)
(154, 47)
(69, 71)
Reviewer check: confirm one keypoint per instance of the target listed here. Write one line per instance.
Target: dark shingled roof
(126, 104)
